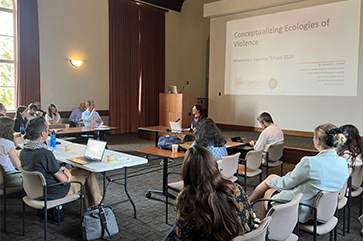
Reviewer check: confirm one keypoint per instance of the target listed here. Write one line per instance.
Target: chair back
(228, 165)
(284, 219)
(326, 205)
(275, 151)
(2, 174)
(357, 176)
(259, 234)
(254, 159)
(33, 184)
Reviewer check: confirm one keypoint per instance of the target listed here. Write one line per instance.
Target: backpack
(166, 142)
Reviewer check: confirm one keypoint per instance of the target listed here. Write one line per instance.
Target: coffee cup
(67, 126)
(174, 148)
(110, 157)
(67, 148)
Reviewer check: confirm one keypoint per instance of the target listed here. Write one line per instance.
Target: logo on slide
(272, 84)
(239, 83)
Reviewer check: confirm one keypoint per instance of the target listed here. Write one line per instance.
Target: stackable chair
(324, 207)
(285, 217)
(228, 166)
(252, 164)
(259, 234)
(35, 187)
(273, 156)
(355, 189)
(6, 191)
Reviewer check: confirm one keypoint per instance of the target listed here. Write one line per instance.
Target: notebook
(175, 127)
(93, 153)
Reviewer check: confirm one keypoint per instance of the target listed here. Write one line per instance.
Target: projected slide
(307, 52)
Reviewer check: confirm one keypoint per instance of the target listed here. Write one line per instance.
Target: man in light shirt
(270, 135)
(90, 114)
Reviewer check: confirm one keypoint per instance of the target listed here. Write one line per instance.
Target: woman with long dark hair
(207, 134)
(53, 117)
(353, 148)
(8, 156)
(324, 172)
(210, 207)
(20, 118)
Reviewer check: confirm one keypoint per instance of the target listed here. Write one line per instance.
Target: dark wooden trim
(294, 154)
(250, 128)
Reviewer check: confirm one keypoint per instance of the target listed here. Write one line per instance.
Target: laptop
(175, 127)
(93, 153)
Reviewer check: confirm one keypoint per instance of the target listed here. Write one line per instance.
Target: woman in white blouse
(8, 156)
(53, 117)
(352, 150)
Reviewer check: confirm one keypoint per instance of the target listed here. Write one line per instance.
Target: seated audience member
(208, 135)
(76, 115)
(53, 117)
(20, 118)
(8, 156)
(210, 207)
(197, 117)
(2, 110)
(270, 135)
(32, 111)
(353, 148)
(90, 114)
(40, 112)
(36, 156)
(324, 172)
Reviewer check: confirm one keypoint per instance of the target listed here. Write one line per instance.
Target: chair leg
(344, 220)
(23, 218)
(4, 208)
(245, 182)
(266, 169)
(45, 223)
(335, 233)
(282, 169)
(331, 235)
(260, 177)
(361, 204)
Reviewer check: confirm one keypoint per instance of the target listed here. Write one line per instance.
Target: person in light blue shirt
(324, 172)
(208, 135)
(90, 114)
(76, 115)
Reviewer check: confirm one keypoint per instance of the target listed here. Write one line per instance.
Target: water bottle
(93, 124)
(22, 128)
(53, 141)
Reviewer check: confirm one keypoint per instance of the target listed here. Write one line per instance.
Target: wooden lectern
(175, 106)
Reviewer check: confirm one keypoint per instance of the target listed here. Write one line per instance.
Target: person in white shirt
(90, 114)
(32, 111)
(53, 117)
(270, 135)
(353, 148)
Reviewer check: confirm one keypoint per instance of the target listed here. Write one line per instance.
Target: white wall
(289, 112)
(74, 29)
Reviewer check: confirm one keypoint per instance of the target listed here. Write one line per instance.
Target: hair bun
(335, 137)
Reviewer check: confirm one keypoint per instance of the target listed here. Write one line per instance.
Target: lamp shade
(76, 63)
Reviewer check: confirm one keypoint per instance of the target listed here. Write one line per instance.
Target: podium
(175, 106)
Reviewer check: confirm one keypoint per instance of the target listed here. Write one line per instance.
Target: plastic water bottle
(53, 141)
(22, 128)
(93, 124)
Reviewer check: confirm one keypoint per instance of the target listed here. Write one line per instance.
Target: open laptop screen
(95, 149)
(175, 126)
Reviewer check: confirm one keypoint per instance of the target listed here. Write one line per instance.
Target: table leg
(128, 195)
(104, 185)
(164, 187)
(156, 138)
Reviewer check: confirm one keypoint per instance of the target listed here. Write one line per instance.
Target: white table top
(121, 159)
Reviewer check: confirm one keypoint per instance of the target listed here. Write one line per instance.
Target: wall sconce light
(76, 63)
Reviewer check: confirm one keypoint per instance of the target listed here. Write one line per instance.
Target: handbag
(99, 222)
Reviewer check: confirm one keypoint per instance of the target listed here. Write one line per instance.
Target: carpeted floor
(150, 221)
